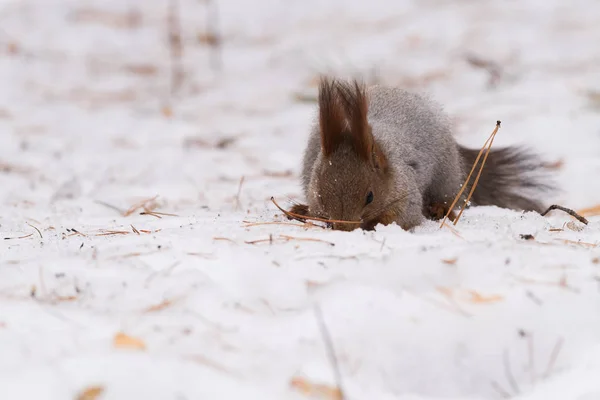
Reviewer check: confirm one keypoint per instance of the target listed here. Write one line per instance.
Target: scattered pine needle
(90, 393)
(19, 237)
(450, 261)
(287, 238)
(577, 243)
(134, 230)
(157, 214)
(108, 233)
(147, 204)
(224, 239)
(38, 231)
(248, 224)
(123, 341)
(160, 306)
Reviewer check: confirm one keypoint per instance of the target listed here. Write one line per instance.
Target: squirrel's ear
(353, 97)
(331, 117)
(378, 158)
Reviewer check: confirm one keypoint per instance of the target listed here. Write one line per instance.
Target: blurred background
(109, 99)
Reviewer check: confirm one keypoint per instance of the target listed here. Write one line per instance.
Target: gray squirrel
(378, 155)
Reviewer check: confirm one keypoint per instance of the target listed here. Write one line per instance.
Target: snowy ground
(187, 309)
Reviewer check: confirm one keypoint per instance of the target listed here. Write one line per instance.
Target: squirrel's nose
(344, 226)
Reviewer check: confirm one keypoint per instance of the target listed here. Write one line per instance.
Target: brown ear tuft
(331, 117)
(353, 97)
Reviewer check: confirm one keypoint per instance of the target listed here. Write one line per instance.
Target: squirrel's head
(350, 179)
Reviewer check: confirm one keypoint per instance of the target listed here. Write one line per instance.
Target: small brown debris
(316, 390)
(123, 341)
(91, 393)
(527, 236)
(596, 260)
(450, 261)
(160, 306)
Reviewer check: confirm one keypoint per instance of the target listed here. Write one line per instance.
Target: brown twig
(568, 211)
(175, 46)
(302, 218)
(464, 186)
(330, 350)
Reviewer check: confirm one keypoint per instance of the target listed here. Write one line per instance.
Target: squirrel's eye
(370, 198)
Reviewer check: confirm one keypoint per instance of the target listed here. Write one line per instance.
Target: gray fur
(426, 166)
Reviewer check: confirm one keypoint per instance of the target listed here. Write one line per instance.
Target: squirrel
(379, 154)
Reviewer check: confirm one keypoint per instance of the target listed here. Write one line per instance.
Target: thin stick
(304, 217)
(330, 350)
(134, 230)
(508, 372)
(38, 231)
(175, 46)
(464, 186)
(487, 153)
(567, 210)
(239, 191)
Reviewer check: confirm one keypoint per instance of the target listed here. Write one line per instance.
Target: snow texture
(88, 120)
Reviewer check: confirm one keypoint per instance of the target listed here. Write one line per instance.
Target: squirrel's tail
(511, 178)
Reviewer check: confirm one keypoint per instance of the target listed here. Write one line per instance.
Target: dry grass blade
(158, 214)
(302, 218)
(464, 186)
(19, 237)
(146, 204)
(487, 153)
(109, 233)
(38, 231)
(248, 224)
(306, 239)
(338, 393)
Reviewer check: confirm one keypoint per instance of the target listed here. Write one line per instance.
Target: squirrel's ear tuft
(331, 116)
(353, 97)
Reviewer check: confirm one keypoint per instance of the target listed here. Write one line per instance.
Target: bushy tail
(511, 178)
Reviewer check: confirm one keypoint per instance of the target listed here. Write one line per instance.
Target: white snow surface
(431, 314)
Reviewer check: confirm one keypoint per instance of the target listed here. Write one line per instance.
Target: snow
(424, 315)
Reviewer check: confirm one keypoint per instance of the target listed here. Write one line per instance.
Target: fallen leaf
(91, 393)
(123, 341)
(316, 390)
